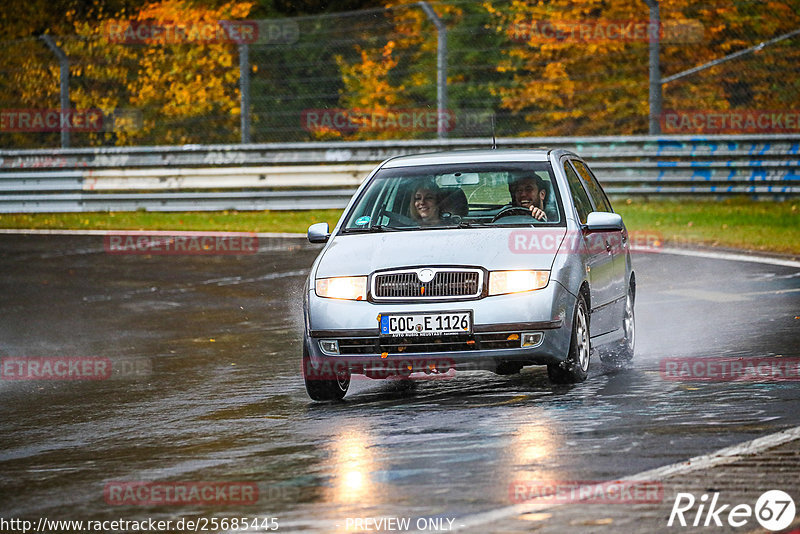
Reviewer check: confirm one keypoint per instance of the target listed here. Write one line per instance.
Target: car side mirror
(601, 221)
(318, 233)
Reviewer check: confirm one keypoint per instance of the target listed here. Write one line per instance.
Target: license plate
(426, 324)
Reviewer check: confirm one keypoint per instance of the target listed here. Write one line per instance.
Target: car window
(579, 196)
(436, 196)
(595, 191)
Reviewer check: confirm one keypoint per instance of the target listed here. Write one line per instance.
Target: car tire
(622, 354)
(321, 389)
(576, 367)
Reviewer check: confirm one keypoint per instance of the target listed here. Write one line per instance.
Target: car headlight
(501, 282)
(343, 287)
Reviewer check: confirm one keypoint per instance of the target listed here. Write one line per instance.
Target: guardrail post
(64, 64)
(441, 69)
(244, 89)
(655, 67)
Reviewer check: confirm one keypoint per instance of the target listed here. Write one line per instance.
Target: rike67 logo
(774, 510)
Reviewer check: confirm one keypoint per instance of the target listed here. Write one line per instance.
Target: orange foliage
(191, 80)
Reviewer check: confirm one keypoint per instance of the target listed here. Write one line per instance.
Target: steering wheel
(400, 219)
(512, 210)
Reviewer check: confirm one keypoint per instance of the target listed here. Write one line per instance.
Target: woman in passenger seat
(425, 203)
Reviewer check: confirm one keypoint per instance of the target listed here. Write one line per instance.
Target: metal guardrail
(268, 176)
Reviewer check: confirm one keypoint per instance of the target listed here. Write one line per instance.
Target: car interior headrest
(454, 201)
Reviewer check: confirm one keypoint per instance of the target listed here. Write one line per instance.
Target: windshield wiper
(375, 228)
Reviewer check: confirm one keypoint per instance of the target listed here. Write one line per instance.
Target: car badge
(425, 275)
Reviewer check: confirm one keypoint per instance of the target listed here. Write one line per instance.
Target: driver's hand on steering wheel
(536, 213)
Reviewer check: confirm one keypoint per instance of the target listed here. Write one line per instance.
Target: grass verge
(734, 223)
(219, 221)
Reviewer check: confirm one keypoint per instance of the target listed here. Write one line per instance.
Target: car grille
(446, 283)
(376, 345)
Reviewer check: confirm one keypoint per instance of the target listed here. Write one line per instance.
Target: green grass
(221, 221)
(734, 223)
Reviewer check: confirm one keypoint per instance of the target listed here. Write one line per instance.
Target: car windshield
(462, 195)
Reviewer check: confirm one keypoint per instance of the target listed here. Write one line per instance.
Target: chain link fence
(521, 69)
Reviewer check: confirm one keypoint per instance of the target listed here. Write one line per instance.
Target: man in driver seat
(529, 191)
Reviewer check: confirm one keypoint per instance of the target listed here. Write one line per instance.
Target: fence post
(64, 90)
(441, 69)
(654, 30)
(244, 90)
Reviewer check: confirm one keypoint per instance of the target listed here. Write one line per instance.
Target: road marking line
(717, 296)
(703, 294)
(719, 457)
(772, 292)
(730, 256)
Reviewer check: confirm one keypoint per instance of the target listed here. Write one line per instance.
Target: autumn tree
(558, 68)
(184, 89)
(185, 86)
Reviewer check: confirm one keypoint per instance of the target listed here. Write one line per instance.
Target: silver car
(480, 260)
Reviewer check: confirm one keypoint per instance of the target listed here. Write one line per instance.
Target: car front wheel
(324, 384)
(621, 354)
(576, 367)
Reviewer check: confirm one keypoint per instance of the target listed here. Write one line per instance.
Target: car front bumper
(498, 324)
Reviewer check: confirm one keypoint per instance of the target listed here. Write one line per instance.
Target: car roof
(468, 156)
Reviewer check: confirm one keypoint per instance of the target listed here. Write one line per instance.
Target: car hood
(491, 248)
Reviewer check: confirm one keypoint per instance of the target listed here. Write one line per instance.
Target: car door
(599, 259)
(617, 240)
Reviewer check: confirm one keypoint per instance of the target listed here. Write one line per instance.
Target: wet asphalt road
(209, 389)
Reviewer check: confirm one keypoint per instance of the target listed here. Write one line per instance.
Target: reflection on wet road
(207, 387)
